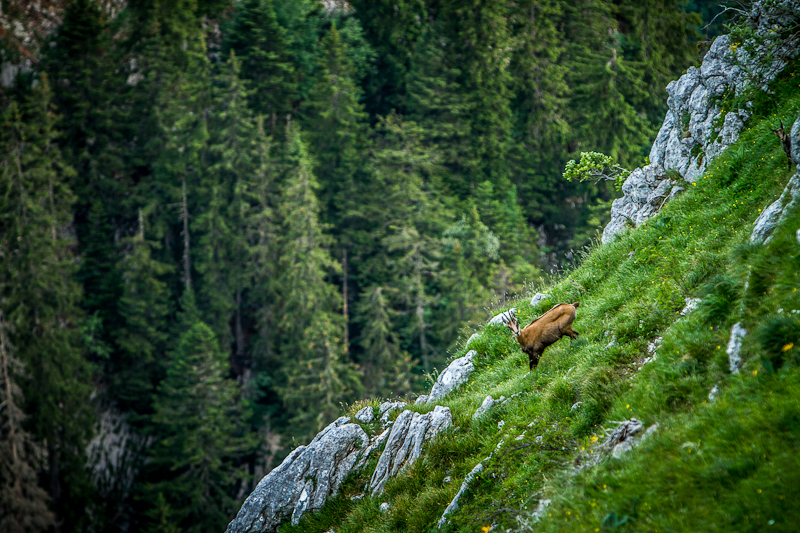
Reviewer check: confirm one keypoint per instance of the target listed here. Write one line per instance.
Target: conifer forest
(223, 221)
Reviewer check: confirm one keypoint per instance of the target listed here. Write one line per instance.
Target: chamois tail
(576, 304)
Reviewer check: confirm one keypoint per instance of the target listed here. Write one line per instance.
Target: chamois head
(786, 142)
(512, 324)
(780, 132)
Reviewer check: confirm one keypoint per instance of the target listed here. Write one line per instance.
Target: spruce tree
(318, 376)
(539, 105)
(24, 505)
(410, 229)
(334, 120)
(194, 468)
(263, 46)
(144, 308)
(437, 103)
(40, 297)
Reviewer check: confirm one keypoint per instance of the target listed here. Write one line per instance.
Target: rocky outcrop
(404, 444)
(771, 217)
(789, 202)
(691, 305)
(452, 377)
(626, 436)
(453, 506)
(304, 481)
(487, 404)
(115, 453)
(695, 129)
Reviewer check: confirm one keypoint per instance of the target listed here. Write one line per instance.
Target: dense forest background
(221, 220)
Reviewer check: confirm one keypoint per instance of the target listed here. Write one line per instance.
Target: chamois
(786, 143)
(544, 331)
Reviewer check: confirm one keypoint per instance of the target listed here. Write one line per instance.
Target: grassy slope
(727, 465)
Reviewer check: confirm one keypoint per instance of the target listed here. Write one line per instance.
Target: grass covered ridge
(728, 465)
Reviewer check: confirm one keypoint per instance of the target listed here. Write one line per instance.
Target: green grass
(728, 465)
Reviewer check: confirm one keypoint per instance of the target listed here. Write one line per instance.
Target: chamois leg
(571, 332)
(533, 360)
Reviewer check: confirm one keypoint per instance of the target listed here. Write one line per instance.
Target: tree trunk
(344, 297)
(187, 275)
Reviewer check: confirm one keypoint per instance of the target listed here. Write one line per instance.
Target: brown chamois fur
(544, 331)
(786, 142)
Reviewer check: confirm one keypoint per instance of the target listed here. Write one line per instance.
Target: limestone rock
(653, 345)
(487, 404)
(691, 305)
(777, 212)
(538, 297)
(386, 408)
(695, 130)
(385, 507)
(374, 444)
(422, 398)
(501, 317)
(713, 393)
(738, 333)
(365, 415)
(304, 481)
(472, 338)
(625, 437)
(404, 444)
(115, 453)
(798, 236)
(644, 192)
(453, 507)
(795, 137)
(452, 377)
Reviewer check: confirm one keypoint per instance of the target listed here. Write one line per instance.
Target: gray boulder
(626, 436)
(404, 444)
(386, 409)
(738, 333)
(487, 404)
(365, 415)
(304, 481)
(795, 137)
(472, 338)
(691, 305)
(453, 507)
(539, 297)
(502, 317)
(777, 212)
(422, 398)
(452, 377)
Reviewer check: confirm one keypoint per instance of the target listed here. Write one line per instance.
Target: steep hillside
(677, 409)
